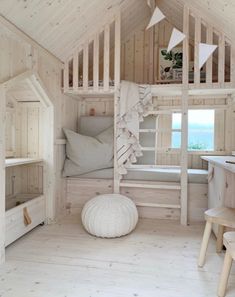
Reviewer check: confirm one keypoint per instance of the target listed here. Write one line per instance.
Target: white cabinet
(221, 185)
(216, 186)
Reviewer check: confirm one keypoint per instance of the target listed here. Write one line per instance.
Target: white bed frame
(152, 203)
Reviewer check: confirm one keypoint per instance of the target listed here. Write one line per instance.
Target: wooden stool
(224, 217)
(229, 242)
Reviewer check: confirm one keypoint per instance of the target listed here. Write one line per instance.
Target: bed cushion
(85, 153)
(197, 176)
(94, 125)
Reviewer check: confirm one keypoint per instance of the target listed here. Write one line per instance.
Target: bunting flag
(176, 38)
(205, 51)
(156, 18)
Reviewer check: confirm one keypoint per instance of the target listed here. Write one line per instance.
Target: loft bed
(160, 195)
(83, 78)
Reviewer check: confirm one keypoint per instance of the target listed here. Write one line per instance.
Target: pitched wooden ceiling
(58, 25)
(219, 13)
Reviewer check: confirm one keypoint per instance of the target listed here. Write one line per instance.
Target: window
(200, 130)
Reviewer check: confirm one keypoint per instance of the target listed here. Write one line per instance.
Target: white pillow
(85, 153)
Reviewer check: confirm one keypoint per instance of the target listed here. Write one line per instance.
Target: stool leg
(225, 274)
(204, 245)
(219, 243)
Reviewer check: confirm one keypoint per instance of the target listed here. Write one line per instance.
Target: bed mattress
(198, 176)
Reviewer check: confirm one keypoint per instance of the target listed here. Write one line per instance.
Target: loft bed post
(184, 123)
(106, 56)
(229, 130)
(117, 66)
(116, 182)
(2, 171)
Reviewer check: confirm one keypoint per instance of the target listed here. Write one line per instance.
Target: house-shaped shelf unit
(28, 152)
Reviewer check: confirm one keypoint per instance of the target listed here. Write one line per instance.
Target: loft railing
(94, 67)
(220, 67)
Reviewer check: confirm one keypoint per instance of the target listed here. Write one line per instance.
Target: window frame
(214, 134)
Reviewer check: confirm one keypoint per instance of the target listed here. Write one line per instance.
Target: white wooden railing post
(209, 40)
(197, 75)
(75, 70)
(117, 59)
(85, 66)
(96, 63)
(66, 76)
(106, 56)
(221, 66)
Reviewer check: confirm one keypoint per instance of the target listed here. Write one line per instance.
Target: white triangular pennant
(176, 38)
(156, 18)
(205, 51)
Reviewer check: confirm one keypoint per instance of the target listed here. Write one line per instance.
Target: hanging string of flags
(176, 38)
(157, 17)
(205, 50)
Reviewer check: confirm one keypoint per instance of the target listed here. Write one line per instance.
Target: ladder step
(159, 130)
(142, 166)
(157, 205)
(164, 111)
(148, 149)
(150, 186)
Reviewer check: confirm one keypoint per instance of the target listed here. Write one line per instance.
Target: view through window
(200, 130)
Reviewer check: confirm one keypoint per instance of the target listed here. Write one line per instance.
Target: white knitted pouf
(110, 215)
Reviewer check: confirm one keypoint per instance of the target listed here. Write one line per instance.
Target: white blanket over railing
(133, 103)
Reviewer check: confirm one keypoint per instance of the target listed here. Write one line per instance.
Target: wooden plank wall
(140, 53)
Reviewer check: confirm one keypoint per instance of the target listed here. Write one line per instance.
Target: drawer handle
(27, 219)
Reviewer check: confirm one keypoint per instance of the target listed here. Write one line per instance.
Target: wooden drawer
(15, 226)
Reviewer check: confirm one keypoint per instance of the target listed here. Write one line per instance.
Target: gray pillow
(85, 153)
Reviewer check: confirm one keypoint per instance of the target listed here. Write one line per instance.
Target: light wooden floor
(157, 260)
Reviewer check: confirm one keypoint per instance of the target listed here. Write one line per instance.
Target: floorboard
(157, 260)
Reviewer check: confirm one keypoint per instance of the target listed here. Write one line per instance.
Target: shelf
(20, 161)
